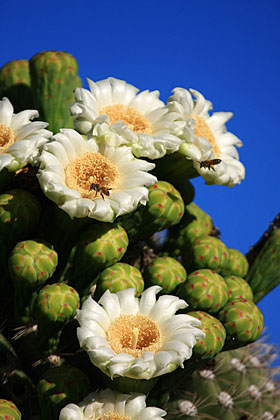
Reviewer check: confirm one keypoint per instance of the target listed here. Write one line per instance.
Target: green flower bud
(118, 277)
(164, 209)
(31, 264)
(194, 224)
(215, 335)
(19, 215)
(237, 264)
(238, 288)
(100, 246)
(242, 320)
(8, 410)
(54, 306)
(208, 252)
(165, 272)
(204, 290)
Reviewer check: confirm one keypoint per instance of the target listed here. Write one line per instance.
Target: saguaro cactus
(167, 308)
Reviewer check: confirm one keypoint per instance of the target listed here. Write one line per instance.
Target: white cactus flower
(206, 138)
(20, 139)
(141, 119)
(113, 405)
(138, 338)
(92, 179)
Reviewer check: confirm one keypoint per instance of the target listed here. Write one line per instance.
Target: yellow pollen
(201, 129)
(129, 116)
(91, 168)
(112, 416)
(135, 334)
(7, 138)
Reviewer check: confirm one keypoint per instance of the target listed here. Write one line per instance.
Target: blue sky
(228, 50)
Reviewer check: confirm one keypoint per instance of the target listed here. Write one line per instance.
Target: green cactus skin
(118, 277)
(19, 214)
(208, 252)
(174, 168)
(215, 337)
(215, 404)
(53, 81)
(100, 246)
(186, 190)
(243, 322)
(165, 272)
(238, 288)
(164, 209)
(8, 410)
(54, 306)
(194, 224)
(8, 356)
(60, 386)
(31, 264)
(59, 229)
(264, 273)
(231, 386)
(204, 290)
(18, 387)
(237, 264)
(198, 223)
(15, 84)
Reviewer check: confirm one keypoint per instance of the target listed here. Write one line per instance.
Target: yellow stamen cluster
(7, 138)
(113, 416)
(135, 334)
(91, 168)
(201, 129)
(129, 116)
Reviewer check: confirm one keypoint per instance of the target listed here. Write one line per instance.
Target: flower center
(129, 116)
(201, 129)
(7, 138)
(112, 416)
(134, 334)
(92, 168)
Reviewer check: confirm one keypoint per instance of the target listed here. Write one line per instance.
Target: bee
(210, 163)
(101, 190)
